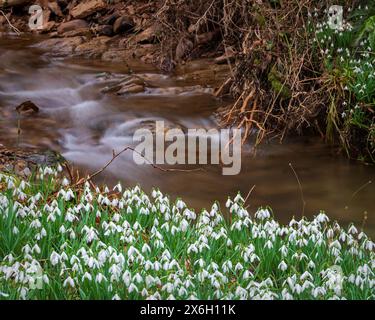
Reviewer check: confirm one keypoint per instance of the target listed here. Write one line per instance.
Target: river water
(85, 125)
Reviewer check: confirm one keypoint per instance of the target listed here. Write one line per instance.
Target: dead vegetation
(276, 84)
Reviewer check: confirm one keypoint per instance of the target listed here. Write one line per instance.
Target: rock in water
(27, 108)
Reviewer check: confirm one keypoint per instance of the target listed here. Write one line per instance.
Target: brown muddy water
(85, 125)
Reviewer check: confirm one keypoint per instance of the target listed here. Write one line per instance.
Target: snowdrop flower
(55, 258)
(238, 267)
(352, 230)
(65, 182)
(263, 214)
(15, 230)
(282, 266)
(132, 288)
(69, 282)
(268, 245)
(228, 203)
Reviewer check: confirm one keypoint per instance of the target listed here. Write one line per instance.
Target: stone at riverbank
(87, 8)
(72, 25)
(23, 161)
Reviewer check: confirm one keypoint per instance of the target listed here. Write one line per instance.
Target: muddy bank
(25, 161)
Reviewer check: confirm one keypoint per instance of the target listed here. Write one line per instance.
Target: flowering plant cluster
(348, 54)
(61, 242)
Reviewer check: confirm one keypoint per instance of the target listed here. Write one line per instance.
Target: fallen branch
(115, 156)
(10, 24)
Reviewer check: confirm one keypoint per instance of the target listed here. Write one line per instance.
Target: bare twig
(300, 189)
(116, 155)
(10, 24)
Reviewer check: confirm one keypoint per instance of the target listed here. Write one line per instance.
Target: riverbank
(61, 240)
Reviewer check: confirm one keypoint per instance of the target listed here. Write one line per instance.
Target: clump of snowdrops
(63, 242)
(348, 55)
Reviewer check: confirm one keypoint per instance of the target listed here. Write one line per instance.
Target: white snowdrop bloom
(291, 281)
(247, 274)
(352, 230)
(118, 187)
(126, 277)
(146, 248)
(298, 289)
(26, 248)
(238, 267)
(335, 244)
(86, 276)
(132, 288)
(311, 265)
(138, 278)
(227, 266)
(51, 217)
(234, 208)
(319, 291)
(184, 225)
(292, 222)
(168, 287)
(284, 250)
(35, 224)
(91, 235)
(69, 195)
(351, 278)
(48, 171)
(157, 266)
(238, 198)
(72, 235)
(62, 229)
(228, 203)
(190, 214)
(306, 275)
(55, 258)
(263, 214)
(342, 237)
(361, 235)
(286, 295)
(63, 256)
(23, 293)
(43, 232)
(65, 182)
(69, 282)
(268, 245)
(369, 245)
(36, 249)
(163, 208)
(114, 203)
(200, 262)
(282, 266)
(174, 230)
(99, 278)
(182, 292)
(229, 243)
(15, 230)
(192, 248)
(330, 233)
(154, 193)
(116, 297)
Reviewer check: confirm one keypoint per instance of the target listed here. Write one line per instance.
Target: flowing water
(85, 125)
